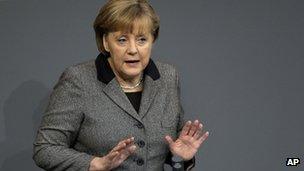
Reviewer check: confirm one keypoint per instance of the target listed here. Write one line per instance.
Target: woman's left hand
(189, 140)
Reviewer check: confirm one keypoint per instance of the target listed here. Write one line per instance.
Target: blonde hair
(118, 15)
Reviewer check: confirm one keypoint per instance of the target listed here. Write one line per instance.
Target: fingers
(204, 137)
(169, 139)
(125, 153)
(190, 128)
(198, 132)
(120, 152)
(132, 149)
(186, 128)
(112, 155)
(194, 128)
(123, 144)
(119, 146)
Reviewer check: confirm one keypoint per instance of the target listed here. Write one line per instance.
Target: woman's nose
(132, 48)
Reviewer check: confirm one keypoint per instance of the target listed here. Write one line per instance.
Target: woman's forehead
(126, 33)
(138, 26)
(135, 30)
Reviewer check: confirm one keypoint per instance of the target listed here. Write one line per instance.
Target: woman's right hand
(115, 157)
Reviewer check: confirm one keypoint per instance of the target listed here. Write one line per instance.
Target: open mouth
(132, 61)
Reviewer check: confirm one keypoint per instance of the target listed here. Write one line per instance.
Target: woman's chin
(132, 73)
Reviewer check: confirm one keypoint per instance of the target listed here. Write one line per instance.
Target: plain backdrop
(241, 64)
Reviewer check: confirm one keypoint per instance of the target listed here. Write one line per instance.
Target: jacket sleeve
(59, 128)
(188, 165)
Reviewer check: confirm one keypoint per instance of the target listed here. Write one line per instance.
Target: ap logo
(292, 161)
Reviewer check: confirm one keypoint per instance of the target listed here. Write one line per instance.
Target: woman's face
(130, 52)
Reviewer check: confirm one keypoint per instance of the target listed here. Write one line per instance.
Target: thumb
(169, 140)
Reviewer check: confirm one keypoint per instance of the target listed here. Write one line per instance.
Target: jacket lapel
(150, 89)
(116, 94)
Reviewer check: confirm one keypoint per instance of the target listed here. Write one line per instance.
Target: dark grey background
(241, 65)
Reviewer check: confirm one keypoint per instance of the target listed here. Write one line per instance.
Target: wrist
(97, 164)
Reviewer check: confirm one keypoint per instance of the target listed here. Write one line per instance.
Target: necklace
(132, 87)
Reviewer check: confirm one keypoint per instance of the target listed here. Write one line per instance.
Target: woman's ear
(105, 43)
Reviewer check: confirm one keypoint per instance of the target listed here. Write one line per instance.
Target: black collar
(105, 73)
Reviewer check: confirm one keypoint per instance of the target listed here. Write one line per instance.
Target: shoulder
(81, 72)
(167, 71)
(81, 68)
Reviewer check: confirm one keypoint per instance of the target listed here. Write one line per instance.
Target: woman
(121, 111)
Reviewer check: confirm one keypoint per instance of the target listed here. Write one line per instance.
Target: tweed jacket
(88, 114)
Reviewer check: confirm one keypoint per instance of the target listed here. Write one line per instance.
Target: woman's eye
(142, 40)
(122, 40)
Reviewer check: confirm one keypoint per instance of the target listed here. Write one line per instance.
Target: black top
(134, 98)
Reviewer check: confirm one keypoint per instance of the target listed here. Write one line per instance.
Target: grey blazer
(87, 117)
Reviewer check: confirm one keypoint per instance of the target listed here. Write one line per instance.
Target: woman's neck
(128, 84)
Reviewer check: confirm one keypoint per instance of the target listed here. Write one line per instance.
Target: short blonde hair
(117, 15)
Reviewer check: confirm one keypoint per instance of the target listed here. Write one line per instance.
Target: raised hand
(115, 157)
(189, 140)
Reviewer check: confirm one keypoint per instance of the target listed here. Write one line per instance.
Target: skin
(189, 140)
(115, 157)
(124, 46)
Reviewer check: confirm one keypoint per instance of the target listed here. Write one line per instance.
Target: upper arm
(53, 147)
(64, 112)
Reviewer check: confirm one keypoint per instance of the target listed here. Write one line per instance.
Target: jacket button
(140, 162)
(139, 125)
(141, 143)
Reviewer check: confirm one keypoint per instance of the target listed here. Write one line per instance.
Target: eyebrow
(126, 35)
(141, 35)
(119, 35)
